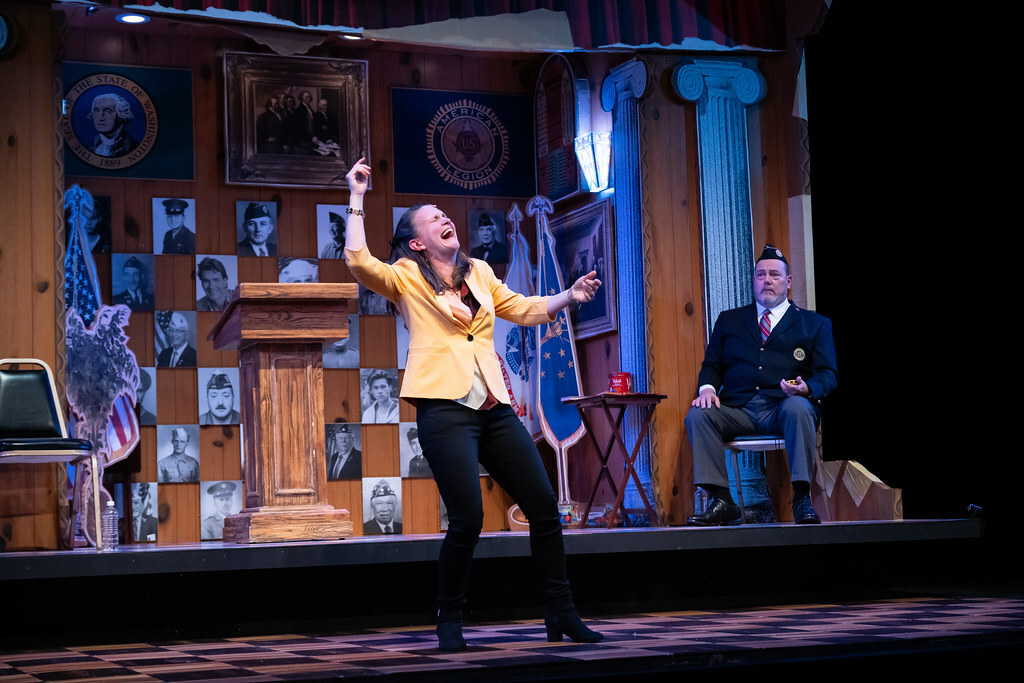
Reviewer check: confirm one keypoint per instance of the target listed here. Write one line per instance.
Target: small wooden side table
(608, 403)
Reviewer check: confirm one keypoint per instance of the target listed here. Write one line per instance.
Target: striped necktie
(766, 326)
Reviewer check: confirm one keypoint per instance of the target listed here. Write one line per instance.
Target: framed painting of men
(294, 121)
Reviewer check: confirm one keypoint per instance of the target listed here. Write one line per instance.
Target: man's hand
(706, 399)
(800, 388)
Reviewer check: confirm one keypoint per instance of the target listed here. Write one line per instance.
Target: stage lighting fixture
(130, 18)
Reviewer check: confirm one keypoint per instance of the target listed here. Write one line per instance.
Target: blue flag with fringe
(556, 347)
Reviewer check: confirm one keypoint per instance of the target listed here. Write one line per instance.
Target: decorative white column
(619, 94)
(722, 90)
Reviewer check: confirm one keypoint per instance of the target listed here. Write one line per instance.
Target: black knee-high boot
(548, 550)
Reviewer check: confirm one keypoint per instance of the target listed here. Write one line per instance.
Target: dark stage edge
(218, 590)
(902, 639)
(215, 556)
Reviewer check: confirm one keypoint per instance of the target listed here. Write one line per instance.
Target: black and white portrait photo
(291, 269)
(218, 396)
(177, 453)
(144, 519)
(219, 499)
(379, 395)
(344, 445)
(216, 277)
(344, 353)
(330, 230)
(257, 228)
(131, 281)
(175, 338)
(145, 397)
(487, 236)
(174, 225)
(410, 453)
(371, 303)
(95, 225)
(382, 505)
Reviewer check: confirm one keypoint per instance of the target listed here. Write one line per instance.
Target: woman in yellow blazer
(449, 302)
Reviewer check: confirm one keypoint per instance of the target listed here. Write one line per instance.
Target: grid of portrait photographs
(176, 338)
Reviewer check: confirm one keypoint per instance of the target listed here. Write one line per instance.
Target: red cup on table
(620, 383)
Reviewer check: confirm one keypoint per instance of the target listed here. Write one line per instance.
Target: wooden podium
(279, 330)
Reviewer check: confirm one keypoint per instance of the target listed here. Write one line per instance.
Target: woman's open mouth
(447, 233)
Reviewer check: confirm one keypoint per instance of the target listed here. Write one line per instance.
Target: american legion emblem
(467, 144)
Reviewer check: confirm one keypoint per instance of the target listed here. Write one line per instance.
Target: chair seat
(757, 442)
(44, 449)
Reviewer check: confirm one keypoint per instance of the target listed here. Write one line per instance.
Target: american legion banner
(462, 143)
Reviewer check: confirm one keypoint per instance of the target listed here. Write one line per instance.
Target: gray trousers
(795, 417)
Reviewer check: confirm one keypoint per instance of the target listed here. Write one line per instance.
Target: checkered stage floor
(648, 642)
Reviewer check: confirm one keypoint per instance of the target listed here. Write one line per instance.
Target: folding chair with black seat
(32, 427)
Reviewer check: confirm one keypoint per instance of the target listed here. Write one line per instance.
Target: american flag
(123, 429)
(82, 293)
(81, 286)
(163, 321)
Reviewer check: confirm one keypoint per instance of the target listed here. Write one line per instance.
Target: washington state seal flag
(462, 143)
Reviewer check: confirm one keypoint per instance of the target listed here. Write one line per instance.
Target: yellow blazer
(443, 350)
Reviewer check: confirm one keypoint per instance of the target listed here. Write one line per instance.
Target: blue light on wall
(594, 151)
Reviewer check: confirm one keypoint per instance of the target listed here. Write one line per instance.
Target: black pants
(456, 440)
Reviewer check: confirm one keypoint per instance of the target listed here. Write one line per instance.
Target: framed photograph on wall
(294, 121)
(583, 242)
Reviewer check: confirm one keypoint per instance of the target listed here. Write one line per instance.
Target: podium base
(276, 525)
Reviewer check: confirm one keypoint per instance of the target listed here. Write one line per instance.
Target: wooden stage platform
(216, 589)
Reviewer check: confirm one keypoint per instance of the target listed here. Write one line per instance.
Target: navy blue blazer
(738, 365)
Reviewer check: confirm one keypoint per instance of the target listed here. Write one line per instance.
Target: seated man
(766, 367)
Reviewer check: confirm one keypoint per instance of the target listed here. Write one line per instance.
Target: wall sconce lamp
(594, 151)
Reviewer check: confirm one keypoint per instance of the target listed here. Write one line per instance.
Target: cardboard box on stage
(844, 490)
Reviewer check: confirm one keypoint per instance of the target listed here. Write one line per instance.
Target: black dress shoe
(719, 513)
(803, 511)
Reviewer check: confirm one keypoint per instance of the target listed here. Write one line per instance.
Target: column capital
(734, 79)
(628, 77)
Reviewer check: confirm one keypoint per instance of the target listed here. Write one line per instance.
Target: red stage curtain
(594, 23)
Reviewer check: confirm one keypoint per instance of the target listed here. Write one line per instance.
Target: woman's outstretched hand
(358, 177)
(584, 289)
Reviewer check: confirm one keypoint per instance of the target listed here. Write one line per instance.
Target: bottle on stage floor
(108, 527)
(700, 501)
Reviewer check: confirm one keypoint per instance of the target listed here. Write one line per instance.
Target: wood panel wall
(215, 205)
(29, 500)
(676, 329)
(671, 206)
